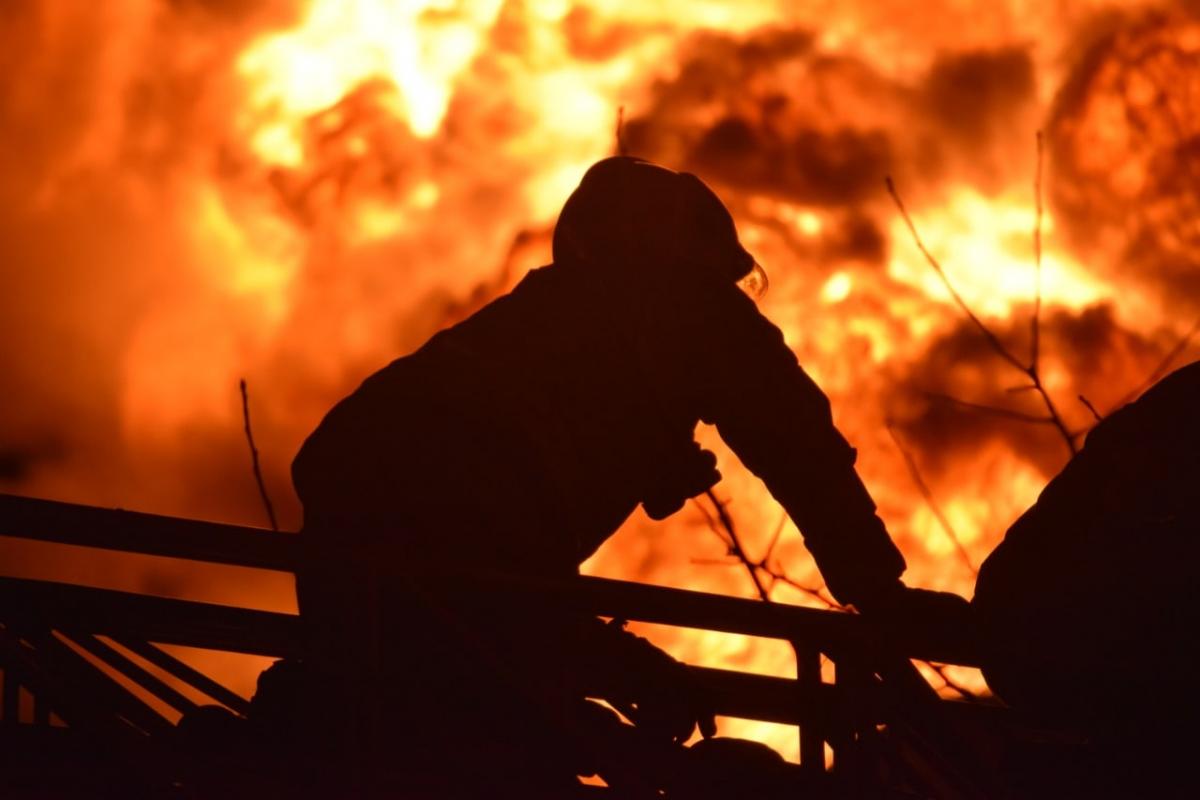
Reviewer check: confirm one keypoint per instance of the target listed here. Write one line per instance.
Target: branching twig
(915, 473)
(1019, 416)
(1056, 419)
(736, 546)
(262, 488)
(817, 592)
(714, 525)
(1030, 370)
(728, 534)
(996, 344)
(723, 526)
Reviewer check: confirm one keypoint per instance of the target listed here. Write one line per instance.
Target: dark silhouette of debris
(1091, 603)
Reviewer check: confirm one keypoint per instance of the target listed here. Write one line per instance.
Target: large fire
(296, 192)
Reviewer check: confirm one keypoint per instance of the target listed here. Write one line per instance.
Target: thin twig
(723, 526)
(1035, 323)
(1007, 413)
(783, 518)
(1088, 404)
(811, 591)
(1055, 418)
(927, 493)
(736, 545)
(730, 537)
(1164, 365)
(1031, 370)
(262, 487)
(622, 149)
(941, 273)
(714, 525)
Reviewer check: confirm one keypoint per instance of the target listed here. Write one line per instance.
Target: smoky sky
(111, 126)
(962, 395)
(773, 113)
(1125, 138)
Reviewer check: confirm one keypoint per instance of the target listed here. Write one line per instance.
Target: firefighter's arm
(778, 421)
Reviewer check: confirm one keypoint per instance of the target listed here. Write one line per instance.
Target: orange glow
(420, 47)
(298, 194)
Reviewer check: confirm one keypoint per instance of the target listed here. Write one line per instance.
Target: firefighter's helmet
(628, 212)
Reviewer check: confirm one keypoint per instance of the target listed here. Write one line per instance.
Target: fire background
(294, 192)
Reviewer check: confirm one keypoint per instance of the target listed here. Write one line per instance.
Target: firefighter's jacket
(522, 437)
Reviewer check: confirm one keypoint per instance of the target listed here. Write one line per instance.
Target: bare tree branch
(915, 473)
(262, 488)
(1164, 365)
(1088, 404)
(1007, 413)
(817, 592)
(783, 518)
(736, 545)
(1035, 324)
(714, 525)
(1031, 370)
(996, 344)
(1055, 418)
(723, 526)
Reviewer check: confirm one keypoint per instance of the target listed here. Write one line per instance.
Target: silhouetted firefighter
(517, 442)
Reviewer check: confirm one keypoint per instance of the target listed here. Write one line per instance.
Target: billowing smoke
(1126, 130)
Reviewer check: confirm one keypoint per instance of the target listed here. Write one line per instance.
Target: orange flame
(207, 194)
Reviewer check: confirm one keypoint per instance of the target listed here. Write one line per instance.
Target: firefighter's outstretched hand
(940, 617)
(659, 695)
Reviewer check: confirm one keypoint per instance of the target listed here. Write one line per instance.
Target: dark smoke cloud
(1125, 153)
(973, 96)
(772, 113)
(1105, 363)
(809, 166)
(730, 115)
(854, 236)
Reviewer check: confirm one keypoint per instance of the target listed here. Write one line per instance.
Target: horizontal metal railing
(219, 543)
(824, 713)
(146, 534)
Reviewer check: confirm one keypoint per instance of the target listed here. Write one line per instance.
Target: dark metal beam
(133, 671)
(189, 675)
(147, 534)
(157, 619)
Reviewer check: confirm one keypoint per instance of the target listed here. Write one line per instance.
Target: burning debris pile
(296, 192)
